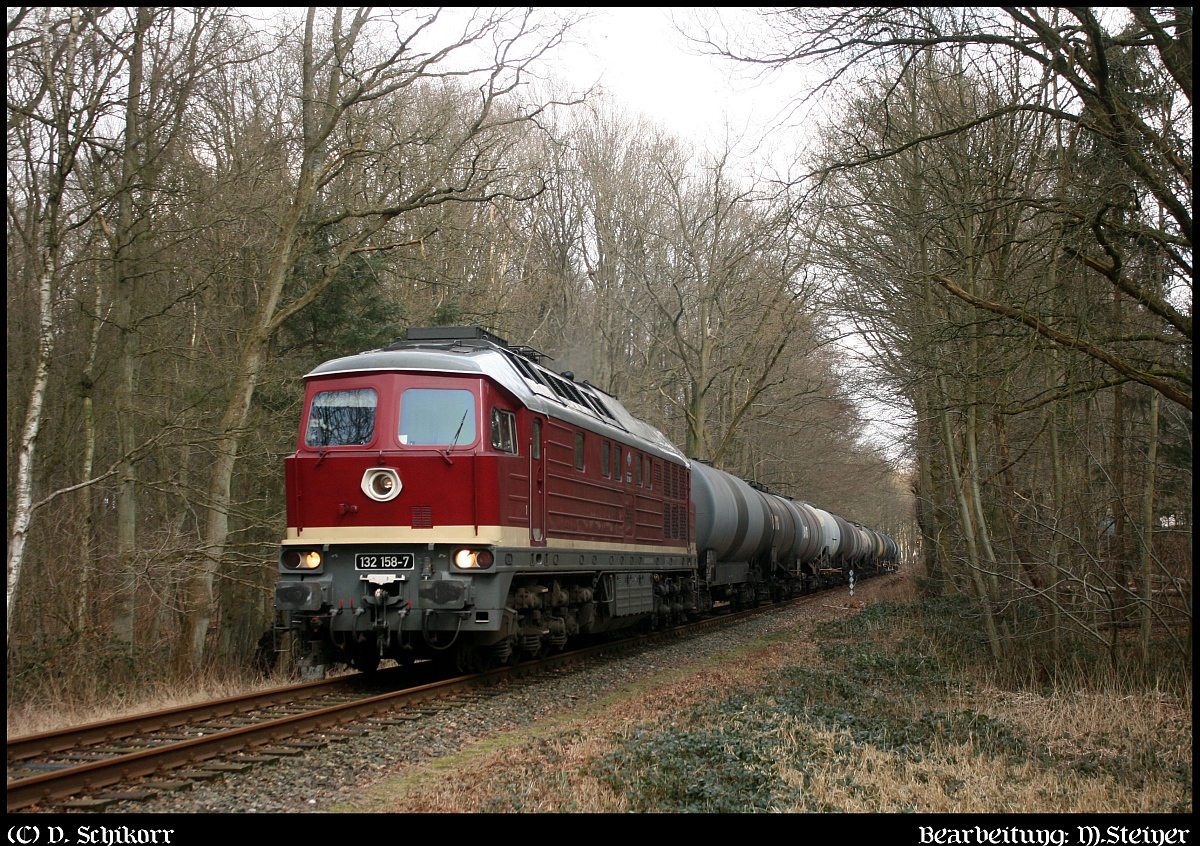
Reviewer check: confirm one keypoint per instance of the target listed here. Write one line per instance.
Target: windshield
(437, 416)
(342, 418)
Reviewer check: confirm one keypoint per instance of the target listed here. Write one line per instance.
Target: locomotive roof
(538, 388)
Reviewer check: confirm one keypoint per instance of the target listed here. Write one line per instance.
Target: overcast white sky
(642, 60)
(639, 57)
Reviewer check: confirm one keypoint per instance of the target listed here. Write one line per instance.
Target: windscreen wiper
(454, 443)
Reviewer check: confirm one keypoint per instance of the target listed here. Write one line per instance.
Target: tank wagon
(451, 497)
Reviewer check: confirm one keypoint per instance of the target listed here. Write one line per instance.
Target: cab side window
(504, 431)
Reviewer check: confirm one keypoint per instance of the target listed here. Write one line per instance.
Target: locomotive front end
(393, 541)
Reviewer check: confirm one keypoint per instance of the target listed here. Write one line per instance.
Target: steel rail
(106, 731)
(92, 776)
(95, 775)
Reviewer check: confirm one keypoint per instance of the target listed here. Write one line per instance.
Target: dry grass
(1108, 725)
(1082, 751)
(956, 778)
(88, 683)
(59, 704)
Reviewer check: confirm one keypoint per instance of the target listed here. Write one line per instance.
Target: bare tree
(167, 52)
(58, 84)
(936, 183)
(1122, 80)
(354, 68)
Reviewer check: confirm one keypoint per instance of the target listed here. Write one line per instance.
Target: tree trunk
(23, 490)
(974, 468)
(968, 530)
(48, 242)
(928, 519)
(697, 410)
(198, 595)
(1148, 531)
(125, 272)
(83, 599)
(1057, 541)
(1018, 541)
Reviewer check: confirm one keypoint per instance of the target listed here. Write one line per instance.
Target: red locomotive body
(449, 493)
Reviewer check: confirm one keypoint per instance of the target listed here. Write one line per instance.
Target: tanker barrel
(732, 519)
(808, 543)
(784, 522)
(849, 547)
(830, 543)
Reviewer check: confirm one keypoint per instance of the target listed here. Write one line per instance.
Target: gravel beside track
(336, 774)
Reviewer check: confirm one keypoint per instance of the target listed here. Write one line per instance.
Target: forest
(996, 205)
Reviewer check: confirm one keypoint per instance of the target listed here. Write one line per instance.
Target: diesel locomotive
(452, 497)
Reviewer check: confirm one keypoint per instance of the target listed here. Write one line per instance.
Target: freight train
(451, 497)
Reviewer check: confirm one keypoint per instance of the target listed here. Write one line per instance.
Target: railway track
(135, 757)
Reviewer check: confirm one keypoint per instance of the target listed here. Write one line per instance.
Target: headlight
(474, 559)
(296, 560)
(381, 484)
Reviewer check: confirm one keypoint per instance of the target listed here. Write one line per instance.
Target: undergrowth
(89, 675)
(894, 691)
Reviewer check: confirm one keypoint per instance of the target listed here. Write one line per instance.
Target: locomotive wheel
(480, 659)
(468, 660)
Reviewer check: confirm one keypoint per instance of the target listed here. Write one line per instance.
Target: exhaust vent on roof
(453, 333)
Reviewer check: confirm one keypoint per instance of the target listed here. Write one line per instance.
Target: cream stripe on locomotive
(485, 535)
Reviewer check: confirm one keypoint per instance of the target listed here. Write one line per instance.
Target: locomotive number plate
(384, 561)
